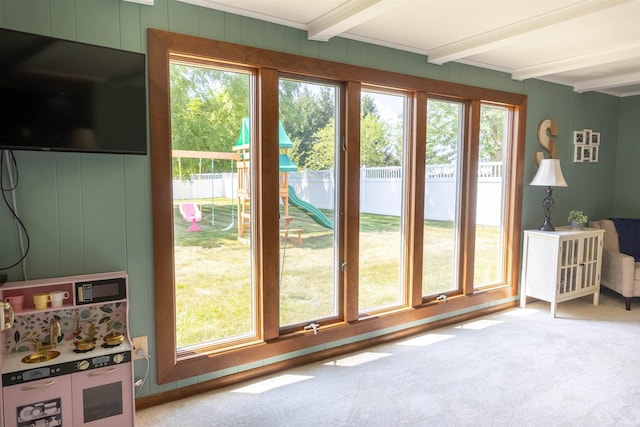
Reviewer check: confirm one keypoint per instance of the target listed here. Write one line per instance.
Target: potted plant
(577, 219)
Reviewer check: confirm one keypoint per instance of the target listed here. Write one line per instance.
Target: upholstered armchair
(620, 272)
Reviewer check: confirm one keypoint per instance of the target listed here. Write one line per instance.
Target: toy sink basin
(40, 356)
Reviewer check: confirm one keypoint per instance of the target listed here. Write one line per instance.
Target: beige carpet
(513, 368)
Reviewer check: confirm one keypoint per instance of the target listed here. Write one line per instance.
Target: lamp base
(546, 226)
(547, 205)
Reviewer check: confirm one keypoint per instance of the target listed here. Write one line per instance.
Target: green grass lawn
(213, 274)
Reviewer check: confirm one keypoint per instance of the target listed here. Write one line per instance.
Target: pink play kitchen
(66, 356)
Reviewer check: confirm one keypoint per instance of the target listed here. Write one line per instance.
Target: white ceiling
(591, 45)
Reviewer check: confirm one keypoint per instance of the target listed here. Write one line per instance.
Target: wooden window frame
(272, 342)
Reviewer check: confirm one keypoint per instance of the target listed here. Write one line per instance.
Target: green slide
(309, 209)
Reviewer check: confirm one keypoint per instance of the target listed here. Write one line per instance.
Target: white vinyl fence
(380, 190)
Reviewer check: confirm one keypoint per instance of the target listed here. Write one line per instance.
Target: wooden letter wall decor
(544, 139)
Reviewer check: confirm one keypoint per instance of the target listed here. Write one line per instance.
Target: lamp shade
(549, 174)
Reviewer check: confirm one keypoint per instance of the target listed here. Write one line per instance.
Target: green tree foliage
(493, 120)
(443, 121)
(443, 132)
(321, 155)
(379, 144)
(380, 141)
(368, 107)
(207, 107)
(305, 108)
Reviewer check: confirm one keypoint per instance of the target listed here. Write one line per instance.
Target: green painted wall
(626, 192)
(92, 213)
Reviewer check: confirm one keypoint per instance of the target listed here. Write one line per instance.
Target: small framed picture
(595, 138)
(586, 154)
(594, 153)
(578, 137)
(587, 136)
(577, 153)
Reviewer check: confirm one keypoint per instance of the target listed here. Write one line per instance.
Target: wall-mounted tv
(61, 95)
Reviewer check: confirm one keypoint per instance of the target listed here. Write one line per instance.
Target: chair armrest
(618, 272)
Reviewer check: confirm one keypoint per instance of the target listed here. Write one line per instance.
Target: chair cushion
(610, 234)
(628, 236)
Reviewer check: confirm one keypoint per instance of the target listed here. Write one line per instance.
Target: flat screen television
(61, 95)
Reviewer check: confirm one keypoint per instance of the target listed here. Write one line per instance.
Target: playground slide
(309, 209)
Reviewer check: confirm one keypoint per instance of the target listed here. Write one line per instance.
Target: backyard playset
(241, 157)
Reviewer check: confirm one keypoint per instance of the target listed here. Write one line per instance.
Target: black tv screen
(60, 95)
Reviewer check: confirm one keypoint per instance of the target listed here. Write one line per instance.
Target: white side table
(561, 265)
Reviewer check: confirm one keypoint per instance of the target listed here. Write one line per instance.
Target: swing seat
(191, 213)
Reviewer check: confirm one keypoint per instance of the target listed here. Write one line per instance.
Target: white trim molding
(145, 2)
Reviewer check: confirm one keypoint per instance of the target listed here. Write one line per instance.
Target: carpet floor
(518, 367)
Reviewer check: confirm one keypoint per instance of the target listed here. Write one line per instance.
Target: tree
(368, 107)
(322, 154)
(207, 107)
(378, 145)
(380, 141)
(443, 133)
(305, 108)
(492, 129)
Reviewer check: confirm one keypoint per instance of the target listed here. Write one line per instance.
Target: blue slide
(309, 209)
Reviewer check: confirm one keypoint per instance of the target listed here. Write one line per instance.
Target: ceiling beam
(578, 62)
(509, 33)
(608, 82)
(346, 16)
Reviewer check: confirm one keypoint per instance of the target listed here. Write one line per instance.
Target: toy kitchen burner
(69, 365)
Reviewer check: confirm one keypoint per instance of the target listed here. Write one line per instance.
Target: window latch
(313, 326)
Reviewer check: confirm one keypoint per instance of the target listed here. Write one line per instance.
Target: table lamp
(549, 175)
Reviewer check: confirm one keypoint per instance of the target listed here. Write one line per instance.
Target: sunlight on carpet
(478, 324)
(521, 312)
(425, 340)
(271, 383)
(358, 359)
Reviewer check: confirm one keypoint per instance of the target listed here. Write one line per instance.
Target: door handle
(38, 386)
(9, 308)
(99, 373)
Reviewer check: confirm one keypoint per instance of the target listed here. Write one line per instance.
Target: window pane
(490, 205)
(382, 135)
(214, 292)
(308, 138)
(442, 195)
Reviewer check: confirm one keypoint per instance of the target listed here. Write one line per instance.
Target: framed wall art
(577, 153)
(586, 146)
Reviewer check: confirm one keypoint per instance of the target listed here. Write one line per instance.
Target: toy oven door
(103, 397)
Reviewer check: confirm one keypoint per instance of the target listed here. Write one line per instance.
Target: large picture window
(213, 286)
(383, 122)
(493, 156)
(308, 200)
(303, 206)
(445, 136)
